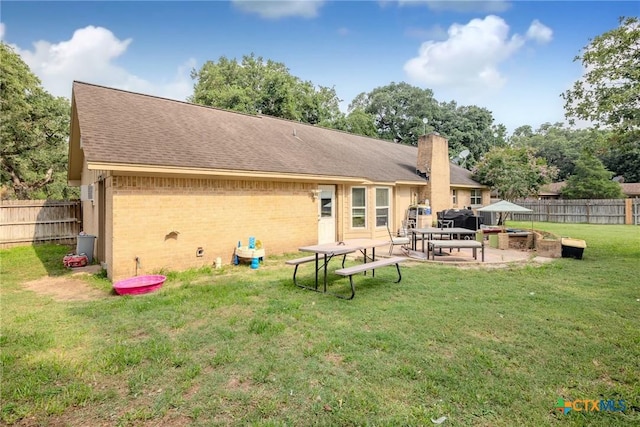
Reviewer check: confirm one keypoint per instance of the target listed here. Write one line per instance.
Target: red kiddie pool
(139, 285)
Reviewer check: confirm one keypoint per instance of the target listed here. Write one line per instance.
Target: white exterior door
(327, 214)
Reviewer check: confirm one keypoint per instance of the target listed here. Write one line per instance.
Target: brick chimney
(433, 162)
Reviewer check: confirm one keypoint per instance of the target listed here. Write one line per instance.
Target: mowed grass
(485, 347)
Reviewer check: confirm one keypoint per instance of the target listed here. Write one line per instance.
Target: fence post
(547, 206)
(587, 206)
(628, 211)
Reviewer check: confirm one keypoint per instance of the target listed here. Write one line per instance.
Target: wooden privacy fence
(24, 222)
(605, 211)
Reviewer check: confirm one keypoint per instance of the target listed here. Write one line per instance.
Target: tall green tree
(609, 92)
(358, 122)
(256, 86)
(591, 180)
(558, 144)
(399, 110)
(623, 162)
(513, 172)
(469, 128)
(34, 130)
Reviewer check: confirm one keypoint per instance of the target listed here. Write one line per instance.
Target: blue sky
(511, 57)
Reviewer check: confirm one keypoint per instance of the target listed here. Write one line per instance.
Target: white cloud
(2, 28)
(469, 58)
(274, 9)
(89, 56)
(181, 85)
(539, 32)
(481, 6)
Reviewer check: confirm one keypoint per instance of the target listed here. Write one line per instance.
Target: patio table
(430, 232)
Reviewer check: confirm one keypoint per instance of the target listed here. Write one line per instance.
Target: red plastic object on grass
(139, 285)
(73, 260)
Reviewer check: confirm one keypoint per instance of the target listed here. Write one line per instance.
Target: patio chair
(407, 224)
(445, 223)
(403, 241)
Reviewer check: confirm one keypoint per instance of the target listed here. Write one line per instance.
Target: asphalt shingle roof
(129, 128)
(630, 189)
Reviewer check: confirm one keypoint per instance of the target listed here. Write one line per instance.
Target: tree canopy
(558, 144)
(591, 181)
(561, 147)
(513, 172)
(256, 86)
(34, 129)
(398, 110)
(609, 92)
(623, 162)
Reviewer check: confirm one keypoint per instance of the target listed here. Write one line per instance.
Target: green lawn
(486, 347)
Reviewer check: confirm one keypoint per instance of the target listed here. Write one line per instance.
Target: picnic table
(323, 253)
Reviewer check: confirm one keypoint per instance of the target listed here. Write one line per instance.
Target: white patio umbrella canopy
(504, 206)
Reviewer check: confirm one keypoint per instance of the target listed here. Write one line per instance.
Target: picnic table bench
(350, 271)
(323, 253)
(314, 258)
(456, 243)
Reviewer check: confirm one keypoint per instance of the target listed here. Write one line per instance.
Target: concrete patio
(492, 256)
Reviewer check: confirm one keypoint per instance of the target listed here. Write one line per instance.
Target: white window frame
(454, 196)
(476, 194)
(353, 207)
(387, 207)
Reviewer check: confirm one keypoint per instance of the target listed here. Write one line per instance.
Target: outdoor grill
(461, 218)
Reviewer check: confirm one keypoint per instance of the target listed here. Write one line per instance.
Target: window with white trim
(358, 207)
(382, 207)
(454, 197)
(476, 196)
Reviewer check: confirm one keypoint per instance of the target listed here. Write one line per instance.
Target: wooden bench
(458, 244)
(350, 271)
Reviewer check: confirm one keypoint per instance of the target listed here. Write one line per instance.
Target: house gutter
(142, 170)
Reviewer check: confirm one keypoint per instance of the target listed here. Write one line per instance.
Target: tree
(591, 181)
(558, 144)
(256, 86)
(625, 163)
(34, 129)
(514, 172)
(609, 92)
(399, 109)
(358, 122)
(470, 128)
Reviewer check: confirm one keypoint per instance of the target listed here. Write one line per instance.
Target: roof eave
(137, 169)
(76, 155)
(477, 185)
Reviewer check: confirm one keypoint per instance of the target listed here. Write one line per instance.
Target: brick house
(172, 185)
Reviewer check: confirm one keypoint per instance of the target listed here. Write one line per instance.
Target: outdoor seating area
(324, 253)
(464, 257)
(455, 244)
(493, 243)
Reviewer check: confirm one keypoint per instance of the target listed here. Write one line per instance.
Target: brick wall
(464, 198)
(205, 213)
